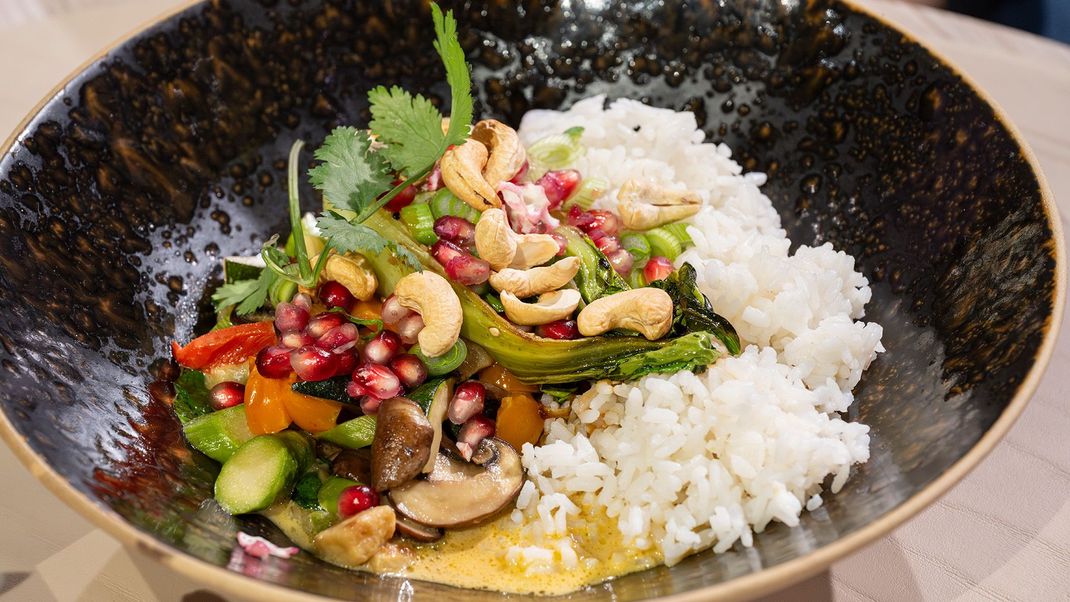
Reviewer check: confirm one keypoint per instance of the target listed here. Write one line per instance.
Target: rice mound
(688, 461)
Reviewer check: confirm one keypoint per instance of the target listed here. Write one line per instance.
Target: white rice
(684, 462)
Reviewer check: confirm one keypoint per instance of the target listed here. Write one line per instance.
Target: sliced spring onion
(636, 278)
(556, 151)
(420, 221)
(679, 230)
(664, 243)
(445, 363)
(589, 191)
(636, 244)
(495, 302)
(446, 203)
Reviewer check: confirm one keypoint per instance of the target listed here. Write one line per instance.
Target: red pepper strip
(225, 346)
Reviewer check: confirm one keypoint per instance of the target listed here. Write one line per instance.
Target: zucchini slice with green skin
(352, 434)
(332, 388)
(219, 434)
(242, 268)
(262, 472)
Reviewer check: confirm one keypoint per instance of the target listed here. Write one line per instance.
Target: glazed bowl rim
(753, 584)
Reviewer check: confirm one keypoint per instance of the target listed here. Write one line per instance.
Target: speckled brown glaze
(120, 196)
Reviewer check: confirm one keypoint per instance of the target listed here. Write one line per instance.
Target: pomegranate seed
(392, 312)
(409, 328)
(382, 348)
(347, 363)
(290, 317)
(302, 300)
(313, 363)
(622, 261)
(605, 221)
(377, 380)
(403, 199)
(562, 243)
(356, 390)
(468, 270)
(274, 361)
(356, 499)
(559, 185)
(657, 268)
(520, 174)
(340, 338)
(580, 219)
(334, 294)
(444, 251)
(455, 229)
(467, 401)
(226, 394)
(410, 370)
(368, 404)
(321, 324)
(560, 330)
(606, 243)
(472, 433)
(293, 340)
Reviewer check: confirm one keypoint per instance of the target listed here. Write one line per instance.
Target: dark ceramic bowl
(121, 192)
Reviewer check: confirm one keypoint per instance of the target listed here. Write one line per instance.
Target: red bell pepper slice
(225, 346)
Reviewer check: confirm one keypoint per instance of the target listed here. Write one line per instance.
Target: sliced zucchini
(219, 434)
(332, 388)
(242, 268)
(262, 471)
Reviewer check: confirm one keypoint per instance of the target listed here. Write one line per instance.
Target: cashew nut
(499, 246)
(462, 172)
(536, 281)
(507, 155)
(351, 271)
(644, 310)
(645, 205)
(431, 296)
(356, 539)
(550, 307)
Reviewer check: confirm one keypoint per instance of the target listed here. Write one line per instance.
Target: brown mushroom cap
(462, 494)
(402, 443)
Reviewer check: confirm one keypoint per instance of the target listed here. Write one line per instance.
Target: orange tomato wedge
(372, 309)
(519, 421)
(497, 376)
(231, 345)
(265, 410)
(313, 414)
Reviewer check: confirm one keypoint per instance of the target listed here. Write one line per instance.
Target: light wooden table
(1001, 534)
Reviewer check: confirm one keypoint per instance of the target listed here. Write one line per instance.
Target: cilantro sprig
(356, 176)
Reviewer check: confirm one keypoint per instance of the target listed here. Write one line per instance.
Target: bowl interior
(121, 195)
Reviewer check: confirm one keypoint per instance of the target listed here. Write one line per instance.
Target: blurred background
(1049, 18)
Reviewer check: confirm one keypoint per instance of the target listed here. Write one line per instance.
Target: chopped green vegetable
(330, 492)
(679, 232)
(425, 393)
(445, 363)
(262, 472)
(596, 278)
(495, 301)
(692, 311)
(664, 243)
(589, 190)
(556, 151)
(191, 396)
(420, 222)
(224, 317)
(531, 358)
(636, 244)
(352, 434)
(686, 352)
(350, 237)
(331, 388)
(218, 434)
(445, 203)
(306, 491)
(242, 268)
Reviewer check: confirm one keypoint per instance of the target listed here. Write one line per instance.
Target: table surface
(1000, 534)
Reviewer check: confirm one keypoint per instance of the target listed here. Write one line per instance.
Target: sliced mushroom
(353, 464)
(415, 531)
(402, 443)
(462, 494)
(355, 540)
(550, 307)
(436, 413)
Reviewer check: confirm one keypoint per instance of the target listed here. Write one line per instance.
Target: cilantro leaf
(457, 75)
(348, 237)
(410, 126)
(248, 295)
(350, 176)
(306, 491)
